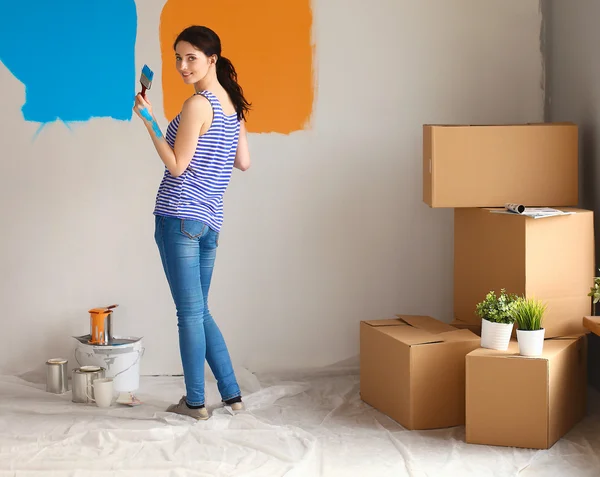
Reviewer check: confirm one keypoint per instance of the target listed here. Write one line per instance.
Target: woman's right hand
(143, 108)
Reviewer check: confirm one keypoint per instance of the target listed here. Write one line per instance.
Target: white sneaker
(182, 408)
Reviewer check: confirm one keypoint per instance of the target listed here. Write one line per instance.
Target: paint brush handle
(143, 92)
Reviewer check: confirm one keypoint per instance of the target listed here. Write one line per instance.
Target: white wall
(326, 229)
(573, 70)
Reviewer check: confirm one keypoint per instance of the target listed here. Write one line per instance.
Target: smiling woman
(202, 145)
(270, 44)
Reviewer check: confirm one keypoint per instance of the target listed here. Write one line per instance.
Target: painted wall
(573, 77)
(275, 60)
(327, 228)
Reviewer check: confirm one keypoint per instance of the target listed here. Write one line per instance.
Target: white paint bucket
(122, 362)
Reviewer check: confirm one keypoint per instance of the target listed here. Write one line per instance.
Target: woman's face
(192, 64)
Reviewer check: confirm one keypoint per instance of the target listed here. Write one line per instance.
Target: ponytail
(227, 76)
(209, 43)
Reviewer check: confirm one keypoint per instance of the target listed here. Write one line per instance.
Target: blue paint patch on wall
(76, 58)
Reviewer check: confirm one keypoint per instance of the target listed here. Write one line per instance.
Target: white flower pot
(531, 343)
(495, 335)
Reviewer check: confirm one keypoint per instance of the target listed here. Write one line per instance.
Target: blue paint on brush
(148, 117)
(148, 73)
(75, 58)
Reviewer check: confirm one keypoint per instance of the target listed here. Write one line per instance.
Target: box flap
(385, 322)
(426, 323)
(419, 330)
(410, 335)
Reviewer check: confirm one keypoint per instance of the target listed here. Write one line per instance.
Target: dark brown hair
(209, 43)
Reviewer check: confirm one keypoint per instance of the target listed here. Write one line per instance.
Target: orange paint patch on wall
(268, 42)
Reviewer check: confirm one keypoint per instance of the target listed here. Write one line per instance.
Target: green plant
(497, 309)
(595, 292)
(528, 313)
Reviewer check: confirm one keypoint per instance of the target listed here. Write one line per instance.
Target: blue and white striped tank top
(198, 192)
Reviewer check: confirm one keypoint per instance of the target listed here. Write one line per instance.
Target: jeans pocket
(192, 228)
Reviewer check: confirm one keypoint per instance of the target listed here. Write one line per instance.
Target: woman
(202, 145)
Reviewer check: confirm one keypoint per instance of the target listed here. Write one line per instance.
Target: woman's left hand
(143, 108)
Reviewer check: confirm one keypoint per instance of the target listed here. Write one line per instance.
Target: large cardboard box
(412, 368)
(489, 166)
(526, 402)
(550, 259)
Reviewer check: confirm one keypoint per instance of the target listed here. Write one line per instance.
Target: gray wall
(571, 46)
(327, 228)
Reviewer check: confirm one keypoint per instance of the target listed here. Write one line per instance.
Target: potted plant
(496, 319)
(595, 294)
(529, 315)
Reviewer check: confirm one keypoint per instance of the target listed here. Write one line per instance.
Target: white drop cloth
(302, 424)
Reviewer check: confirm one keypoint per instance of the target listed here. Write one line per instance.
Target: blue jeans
(188, 249)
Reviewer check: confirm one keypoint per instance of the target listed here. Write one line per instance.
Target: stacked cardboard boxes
(411, 366)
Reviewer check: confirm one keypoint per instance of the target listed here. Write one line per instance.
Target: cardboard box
(526, 402)
(490, 166)
(550, 259)
(412, 368)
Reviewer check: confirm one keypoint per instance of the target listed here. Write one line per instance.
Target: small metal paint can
(82, 380)
(56, 376)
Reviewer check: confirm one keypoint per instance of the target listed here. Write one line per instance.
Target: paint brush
(146, 79)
